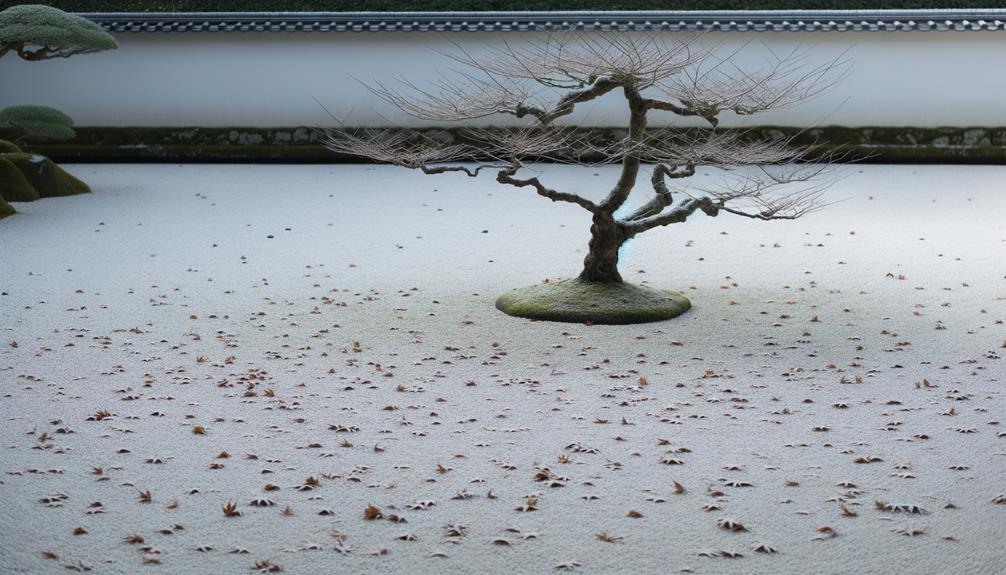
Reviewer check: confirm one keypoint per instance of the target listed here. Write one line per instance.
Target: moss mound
(45, 176)
(38, 122)
(600, 303)
(51, 30)
(9, 147)
(14, 187)
(5, 209)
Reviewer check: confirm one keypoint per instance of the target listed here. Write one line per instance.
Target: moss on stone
(6, 209)
(14, 187)
(573, 300)
(9, 147)
(45, 176)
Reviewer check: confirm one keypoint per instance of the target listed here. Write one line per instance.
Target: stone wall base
(302, 145)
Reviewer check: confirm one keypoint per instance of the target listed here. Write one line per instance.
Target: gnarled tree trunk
(601, 263)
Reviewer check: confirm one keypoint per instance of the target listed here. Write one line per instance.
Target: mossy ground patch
(5, 209)
(573, 300)
(14, 187)
(45, 176)
(9, 147)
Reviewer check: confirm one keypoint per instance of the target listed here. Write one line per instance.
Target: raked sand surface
(308, 341)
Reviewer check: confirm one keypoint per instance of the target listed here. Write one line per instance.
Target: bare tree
(655, 74)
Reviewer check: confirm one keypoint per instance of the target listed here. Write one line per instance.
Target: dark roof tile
(691, 21)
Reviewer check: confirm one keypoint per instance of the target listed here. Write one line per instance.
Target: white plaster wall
(920, 79)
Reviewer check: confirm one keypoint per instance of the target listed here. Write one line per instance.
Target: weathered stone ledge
(302, 144)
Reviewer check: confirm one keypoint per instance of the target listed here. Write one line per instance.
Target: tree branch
(572, 60)
(408, 150)
(566, 104)
(676, 215)
(444, 169)
(752, 190)
(683, 111)
(632, 154)
(725, 86)
(506, 176)
(663, 197)
(765, 216)
(783, 192)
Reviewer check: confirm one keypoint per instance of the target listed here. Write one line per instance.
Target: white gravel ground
(835, 394)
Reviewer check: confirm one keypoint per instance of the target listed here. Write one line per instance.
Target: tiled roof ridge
(675, 21)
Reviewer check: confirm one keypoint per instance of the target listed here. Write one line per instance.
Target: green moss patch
(14, 187)
(56, 33)
(587, 302)
(9, 147)
(45, 176)
(6, 209)
(38, 122)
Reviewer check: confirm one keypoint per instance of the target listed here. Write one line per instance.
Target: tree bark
(606, 236)
(632, 157)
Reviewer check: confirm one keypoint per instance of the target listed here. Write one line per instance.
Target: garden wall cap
(674, 21)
